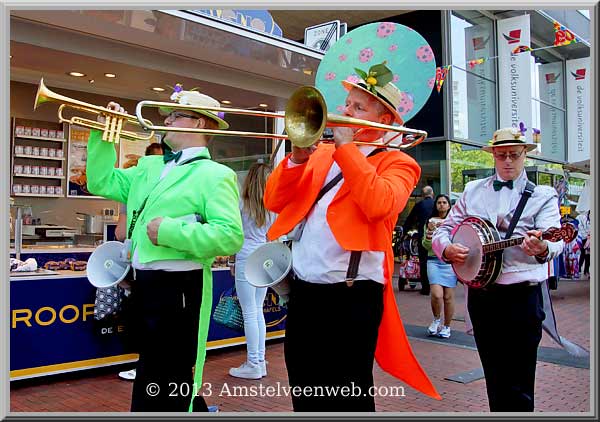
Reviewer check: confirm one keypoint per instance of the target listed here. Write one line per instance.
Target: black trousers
(423, 254)
(166, 306)
(507, 324)
(584, 259)
(331, 334)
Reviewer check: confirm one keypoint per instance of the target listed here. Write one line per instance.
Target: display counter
(53, 330)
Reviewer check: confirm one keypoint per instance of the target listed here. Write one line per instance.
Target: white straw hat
(197, 99)
(377, 83)
(508, 137)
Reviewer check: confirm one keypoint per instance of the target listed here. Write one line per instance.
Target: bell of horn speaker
(107, 266)
(268, 266)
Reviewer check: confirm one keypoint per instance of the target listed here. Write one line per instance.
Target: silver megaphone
(268, 266)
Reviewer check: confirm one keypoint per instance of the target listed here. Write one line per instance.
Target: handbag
(228, 311)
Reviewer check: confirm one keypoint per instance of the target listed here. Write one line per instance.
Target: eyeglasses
(503, 156)
(176, 114)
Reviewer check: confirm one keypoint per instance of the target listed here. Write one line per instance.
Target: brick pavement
(558, 388)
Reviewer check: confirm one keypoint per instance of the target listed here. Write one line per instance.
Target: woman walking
(441, 276)
(256, 221)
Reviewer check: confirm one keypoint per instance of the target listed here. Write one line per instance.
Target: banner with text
(552, 119)
(514, 72)
(578, 109)
(480, 91)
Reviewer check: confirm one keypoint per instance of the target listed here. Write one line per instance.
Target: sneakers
(247, 370)
(263, 368)
(434, 327)
(127, 375)
(444, 332)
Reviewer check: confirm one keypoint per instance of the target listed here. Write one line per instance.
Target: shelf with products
(38, 151)
(39, 176)
(38, 195)
(40, 138)
(39, 157)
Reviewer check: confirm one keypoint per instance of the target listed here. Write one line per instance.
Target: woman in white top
(256, 221)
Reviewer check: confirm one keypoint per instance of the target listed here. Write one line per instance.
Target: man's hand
(532, 244)
(111, 106)
(301, 155)
(456, 252)
(343, 135)
(152, 230)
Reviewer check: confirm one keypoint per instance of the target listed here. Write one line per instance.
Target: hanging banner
(552, 121)
(480, 91)
(578, 109)
(514, 72)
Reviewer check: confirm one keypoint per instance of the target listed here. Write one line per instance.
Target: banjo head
(468, 235)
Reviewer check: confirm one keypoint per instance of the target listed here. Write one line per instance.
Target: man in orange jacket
(341, 311)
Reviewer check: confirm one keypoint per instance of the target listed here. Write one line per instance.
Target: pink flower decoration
(431, 82)
(343, 57)
(385, 29)
(349, 41)
(365, 55)
(393, 47)
(396, 78)
(424, 54)
(329, 76)
(406, 103)
(353, 79)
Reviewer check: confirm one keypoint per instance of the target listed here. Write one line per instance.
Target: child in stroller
(406, 253)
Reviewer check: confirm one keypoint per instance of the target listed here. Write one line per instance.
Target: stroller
(406, 253)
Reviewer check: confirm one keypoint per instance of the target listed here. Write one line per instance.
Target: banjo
(484, 261)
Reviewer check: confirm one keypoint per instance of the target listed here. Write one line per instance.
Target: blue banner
(260, 20)
(52, 326)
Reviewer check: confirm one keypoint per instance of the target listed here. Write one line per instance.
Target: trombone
(112, 128)
(305, 117)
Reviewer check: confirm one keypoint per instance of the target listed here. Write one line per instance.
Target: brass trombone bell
(112, 128)
(305, 117)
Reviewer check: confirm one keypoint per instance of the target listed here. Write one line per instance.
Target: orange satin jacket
(362, 216)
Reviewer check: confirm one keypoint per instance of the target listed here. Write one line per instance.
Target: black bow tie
(170, 156)
(498, 184)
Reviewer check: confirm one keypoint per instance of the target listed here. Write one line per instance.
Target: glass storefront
(473, 85)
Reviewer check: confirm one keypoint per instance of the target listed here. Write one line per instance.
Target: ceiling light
(226, 101)
(76, 74)
(263, 105)
(110, 75)
(91, 81)
(158, 89)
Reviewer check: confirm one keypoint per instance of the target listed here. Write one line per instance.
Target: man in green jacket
(182, 212)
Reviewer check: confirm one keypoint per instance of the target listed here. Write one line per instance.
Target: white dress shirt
(506, 198)
(172, 264)
(480, 199)
(317, 257)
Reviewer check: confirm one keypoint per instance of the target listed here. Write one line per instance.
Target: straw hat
(197, 99)
(377, 82)
(508, 137)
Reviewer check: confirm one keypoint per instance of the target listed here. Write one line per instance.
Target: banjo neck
(502, 244)
(567, 232)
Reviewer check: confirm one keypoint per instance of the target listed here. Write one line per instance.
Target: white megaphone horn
(108, 265)
(268, 265)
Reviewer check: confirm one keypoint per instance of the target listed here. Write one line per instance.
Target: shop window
(548, 108)
(467, 163)
(473, 106)
(473, 84)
